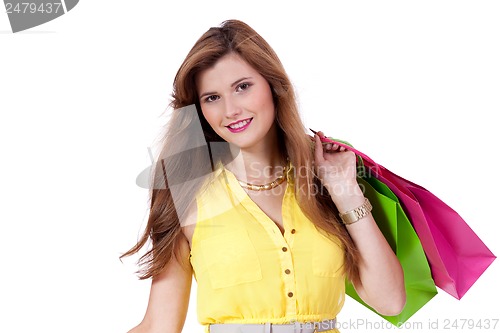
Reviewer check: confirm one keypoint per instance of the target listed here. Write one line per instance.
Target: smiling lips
(239, 126)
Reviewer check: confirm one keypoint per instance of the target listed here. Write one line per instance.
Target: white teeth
(240, 124)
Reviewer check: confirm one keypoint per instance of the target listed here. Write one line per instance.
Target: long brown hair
(166, 210)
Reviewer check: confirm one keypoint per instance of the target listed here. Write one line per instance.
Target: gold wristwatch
(357, 213)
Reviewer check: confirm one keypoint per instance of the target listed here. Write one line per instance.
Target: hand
(336, 168)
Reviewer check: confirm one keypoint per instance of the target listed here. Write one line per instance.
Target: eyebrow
(232, 85)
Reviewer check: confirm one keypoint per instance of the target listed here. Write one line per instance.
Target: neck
(258, 165)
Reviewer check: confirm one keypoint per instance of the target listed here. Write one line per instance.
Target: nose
(232, 108)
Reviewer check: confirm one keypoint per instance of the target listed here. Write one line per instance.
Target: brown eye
(211, 98)
(243, 86)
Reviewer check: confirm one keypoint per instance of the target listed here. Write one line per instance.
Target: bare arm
(169, 297)
(381, 276)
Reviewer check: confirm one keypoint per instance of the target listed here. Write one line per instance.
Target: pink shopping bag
(457, 256)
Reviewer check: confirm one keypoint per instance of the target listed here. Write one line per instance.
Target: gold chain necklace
(264, 187)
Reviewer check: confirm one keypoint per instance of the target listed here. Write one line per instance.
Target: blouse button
(292, 231)
(284, 248)
(290, 294)
(287, 271)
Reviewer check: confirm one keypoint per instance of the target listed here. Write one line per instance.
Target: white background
(415, 85)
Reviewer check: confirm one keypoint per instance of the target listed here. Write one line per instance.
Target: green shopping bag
(399, 233)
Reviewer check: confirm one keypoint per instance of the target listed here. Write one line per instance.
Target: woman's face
(237, 102)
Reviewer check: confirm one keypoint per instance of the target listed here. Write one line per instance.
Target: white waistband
(296, 327)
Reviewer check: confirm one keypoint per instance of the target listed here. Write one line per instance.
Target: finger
(321, 134)
(318, 151)
(336, 147)
(328, 146)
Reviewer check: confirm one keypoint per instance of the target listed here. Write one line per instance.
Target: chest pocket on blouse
(328, 257)
(231, 259)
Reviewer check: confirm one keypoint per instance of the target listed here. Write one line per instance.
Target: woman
(269, 220)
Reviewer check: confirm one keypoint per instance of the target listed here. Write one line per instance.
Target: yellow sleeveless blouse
(248, 272)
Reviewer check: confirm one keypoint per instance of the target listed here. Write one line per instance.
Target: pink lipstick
(239, 126)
